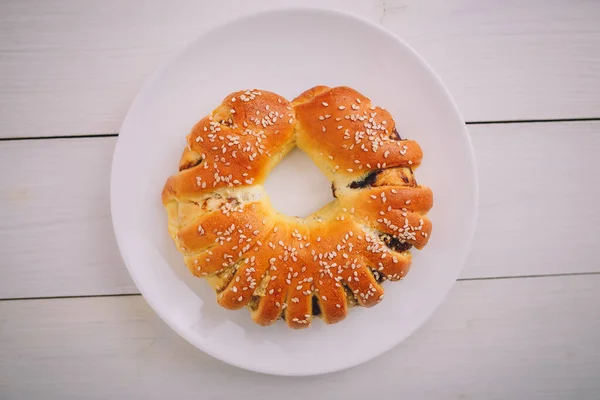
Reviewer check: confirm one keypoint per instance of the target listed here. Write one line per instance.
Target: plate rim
(165, 64)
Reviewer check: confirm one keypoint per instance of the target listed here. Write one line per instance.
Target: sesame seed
(324, 298)
(323, 129)
(324, 104)
(340, 127)
(341, 108)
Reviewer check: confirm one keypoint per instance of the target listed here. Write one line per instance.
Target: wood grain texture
(499, 339)
(55, 226)
(538, 212)
(69, 67)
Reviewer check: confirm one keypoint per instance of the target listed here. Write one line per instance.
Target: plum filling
(367, 181)
(395, 135)
(379, 277)
(394, 243)
(316, 310)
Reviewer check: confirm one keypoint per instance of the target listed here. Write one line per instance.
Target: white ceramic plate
(288, 51)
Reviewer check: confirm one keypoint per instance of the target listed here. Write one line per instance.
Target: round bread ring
(289, 268)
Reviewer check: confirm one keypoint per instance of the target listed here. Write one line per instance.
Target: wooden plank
(537, 216)
(70, 67)
(499, 339)
(55, 225)
(538, 211)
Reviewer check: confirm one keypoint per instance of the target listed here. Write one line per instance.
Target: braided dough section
(282, 267)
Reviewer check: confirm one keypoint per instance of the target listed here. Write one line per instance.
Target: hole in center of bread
(296, 187)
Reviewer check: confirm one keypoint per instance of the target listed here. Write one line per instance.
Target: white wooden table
(523, 321)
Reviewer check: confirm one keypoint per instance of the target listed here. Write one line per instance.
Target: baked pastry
(286, 267)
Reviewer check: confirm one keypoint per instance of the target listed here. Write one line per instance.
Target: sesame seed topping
(324, 104)
(341, 108)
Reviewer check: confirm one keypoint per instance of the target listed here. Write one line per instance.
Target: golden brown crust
(281, 267)
(235, 146)
(353, 135)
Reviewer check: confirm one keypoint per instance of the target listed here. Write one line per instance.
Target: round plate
(287, 52)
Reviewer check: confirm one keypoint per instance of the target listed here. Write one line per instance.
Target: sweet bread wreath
(286, 267)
